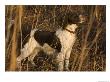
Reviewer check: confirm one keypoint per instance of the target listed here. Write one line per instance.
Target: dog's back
(48, 37)
(43, 37)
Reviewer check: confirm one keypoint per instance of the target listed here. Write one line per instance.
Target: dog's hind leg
(32, 56)
(27, 50)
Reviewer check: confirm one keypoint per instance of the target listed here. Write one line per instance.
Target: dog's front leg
(60, 60)
(66, 64)
(66, 61)
(60, 65)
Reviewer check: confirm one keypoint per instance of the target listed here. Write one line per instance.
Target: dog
(59, 43)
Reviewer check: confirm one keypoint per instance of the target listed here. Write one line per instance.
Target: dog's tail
(32, 32)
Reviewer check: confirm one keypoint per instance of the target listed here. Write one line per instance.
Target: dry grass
(89, 51)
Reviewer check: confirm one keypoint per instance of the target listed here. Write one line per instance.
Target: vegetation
(89, 51)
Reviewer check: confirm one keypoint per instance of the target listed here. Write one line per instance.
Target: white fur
(67, 39)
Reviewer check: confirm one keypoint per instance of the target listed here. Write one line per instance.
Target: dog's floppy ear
(62, 19)
(70, 18)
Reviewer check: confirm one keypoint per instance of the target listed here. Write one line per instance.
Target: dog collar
(70, 31)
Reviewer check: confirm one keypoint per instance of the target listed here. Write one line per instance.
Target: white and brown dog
(60, 42)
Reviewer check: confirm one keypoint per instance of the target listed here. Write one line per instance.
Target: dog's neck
(71, 28)
(70, 31)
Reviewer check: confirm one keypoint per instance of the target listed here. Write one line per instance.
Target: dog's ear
(62, 20)
(68, 18)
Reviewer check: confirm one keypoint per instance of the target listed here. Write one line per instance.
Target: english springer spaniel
(58, 43)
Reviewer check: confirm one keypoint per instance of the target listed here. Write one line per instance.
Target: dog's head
(73, 20)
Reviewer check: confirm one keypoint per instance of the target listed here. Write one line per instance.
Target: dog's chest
(67, 39)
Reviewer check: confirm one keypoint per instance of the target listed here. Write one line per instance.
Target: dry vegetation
(89, 51)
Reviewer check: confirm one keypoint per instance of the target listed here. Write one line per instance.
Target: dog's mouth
(82, 23)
